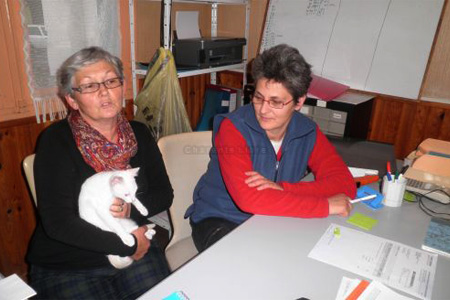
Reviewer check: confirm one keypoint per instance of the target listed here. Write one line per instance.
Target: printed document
(399, 266)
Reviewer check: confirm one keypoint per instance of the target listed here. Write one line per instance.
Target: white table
(266, 258)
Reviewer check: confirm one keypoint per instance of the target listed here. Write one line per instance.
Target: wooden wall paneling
(230, 79)
(17, 212)
(418, 127)
(147, 29)
(435, 117)
(231, 21)
(385, 123)
(444, 133)
(15, 100)
(6, 80)
(437, 77)
(402, 149)
(258, 9)
(193, 90)
(430, 121)
(126, 48)
(391, 123)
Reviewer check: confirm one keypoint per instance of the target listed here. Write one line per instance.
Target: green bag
(160, 102)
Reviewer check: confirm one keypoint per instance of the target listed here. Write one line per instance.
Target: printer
(207, 52)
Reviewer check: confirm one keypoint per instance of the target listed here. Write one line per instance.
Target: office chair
(28, 169)
(186, 157)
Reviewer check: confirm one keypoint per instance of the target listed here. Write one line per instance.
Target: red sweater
(299, 199)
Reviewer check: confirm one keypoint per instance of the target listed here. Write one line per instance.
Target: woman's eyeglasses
(277, 104)
(95, 86)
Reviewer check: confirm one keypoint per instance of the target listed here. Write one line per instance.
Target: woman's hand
(255, 179)
(143, 243)
(339, 205)
(120, 209)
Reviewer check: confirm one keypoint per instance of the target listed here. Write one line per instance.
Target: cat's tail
(120, 262)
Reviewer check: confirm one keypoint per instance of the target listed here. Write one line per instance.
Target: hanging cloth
(53, 31)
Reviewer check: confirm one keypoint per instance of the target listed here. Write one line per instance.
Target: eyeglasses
(277, 104)
(95, 86)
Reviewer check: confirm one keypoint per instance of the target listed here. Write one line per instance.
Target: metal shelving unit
(140, 71)
(162, 218)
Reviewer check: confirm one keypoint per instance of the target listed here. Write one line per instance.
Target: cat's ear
(134, 171)
(116, 180)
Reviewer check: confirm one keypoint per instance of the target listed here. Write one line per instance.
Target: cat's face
(123, 184)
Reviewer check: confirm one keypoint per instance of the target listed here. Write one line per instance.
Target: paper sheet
(399, 266)
(346, 287)
(374, 291)
(187, 25)
(14, 288)
(378, 291)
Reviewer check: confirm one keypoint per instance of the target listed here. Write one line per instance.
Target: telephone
(429, 170)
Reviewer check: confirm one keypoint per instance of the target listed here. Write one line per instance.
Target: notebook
(437, 239)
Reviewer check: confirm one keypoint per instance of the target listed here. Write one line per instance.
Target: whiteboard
(380, 46)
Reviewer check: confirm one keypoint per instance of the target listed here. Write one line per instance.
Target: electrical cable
(429, 211)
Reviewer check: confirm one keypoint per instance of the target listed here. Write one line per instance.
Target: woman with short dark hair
(261, 153)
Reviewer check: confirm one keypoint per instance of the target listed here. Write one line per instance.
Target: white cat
(96, 196)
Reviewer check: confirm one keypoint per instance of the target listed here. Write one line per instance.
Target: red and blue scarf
(97, 151)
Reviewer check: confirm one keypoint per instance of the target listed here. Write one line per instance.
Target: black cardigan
(62, 240)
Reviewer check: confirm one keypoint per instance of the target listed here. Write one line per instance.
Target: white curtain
(54, 30)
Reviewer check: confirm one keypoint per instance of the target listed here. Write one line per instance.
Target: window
(54, 30)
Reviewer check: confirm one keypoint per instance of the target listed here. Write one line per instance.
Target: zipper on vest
(276, 170)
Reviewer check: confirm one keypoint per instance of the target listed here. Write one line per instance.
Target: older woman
(263, 151)
(67, 254)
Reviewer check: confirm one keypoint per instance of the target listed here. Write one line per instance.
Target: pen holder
(393, 191)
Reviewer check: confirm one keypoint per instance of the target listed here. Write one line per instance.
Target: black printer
(207, 52)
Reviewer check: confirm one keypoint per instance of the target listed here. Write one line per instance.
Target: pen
(363, 199)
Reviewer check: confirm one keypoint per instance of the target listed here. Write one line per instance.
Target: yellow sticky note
(362, 221)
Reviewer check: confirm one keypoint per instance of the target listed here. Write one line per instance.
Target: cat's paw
(120, 262)
(128, 240)
(143, 210)
(150, 231)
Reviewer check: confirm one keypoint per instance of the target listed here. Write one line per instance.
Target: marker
(388, 175)
(396, 175)
(363, 199)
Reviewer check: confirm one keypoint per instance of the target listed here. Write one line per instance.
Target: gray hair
(80, 59)
(284, 64)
